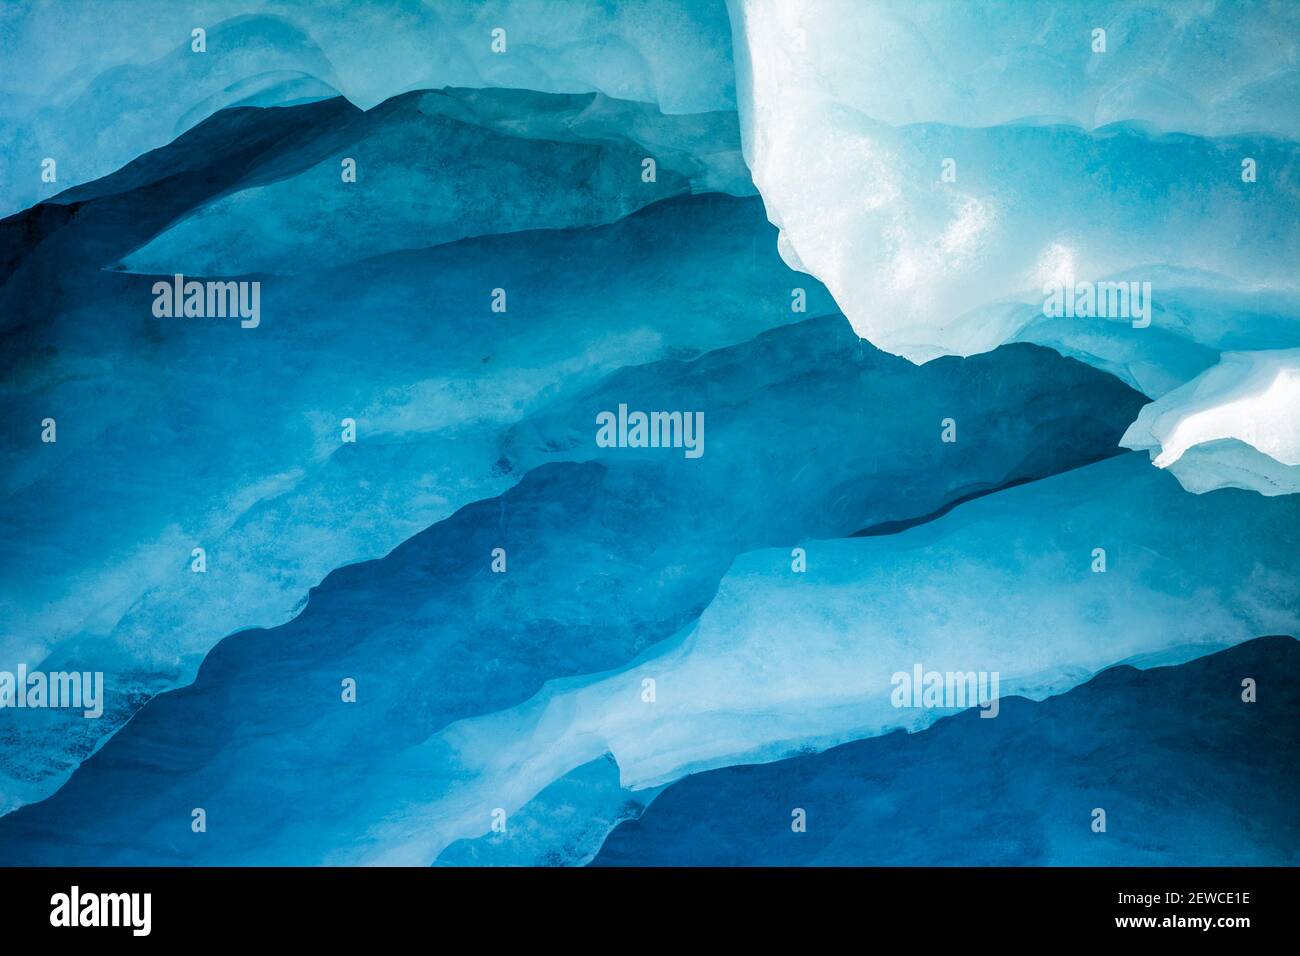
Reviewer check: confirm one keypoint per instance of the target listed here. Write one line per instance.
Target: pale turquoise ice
(939, 165)
(95, 85)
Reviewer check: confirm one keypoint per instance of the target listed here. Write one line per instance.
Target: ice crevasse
(1116, 180)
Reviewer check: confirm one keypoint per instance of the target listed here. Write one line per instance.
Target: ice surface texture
(608, 555)
(918, 462)
(1247, 403)
(522, 161)
(86, 85)
(939, 165)
(229, 439)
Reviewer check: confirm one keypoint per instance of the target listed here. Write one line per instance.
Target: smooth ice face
(1235, 425)
(924, 267)
(146, 86)
(1208, 68)
(958, 175)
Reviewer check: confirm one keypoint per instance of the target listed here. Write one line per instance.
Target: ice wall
(943, 167)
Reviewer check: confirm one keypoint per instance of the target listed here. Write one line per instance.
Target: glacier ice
(264, 484)
(564, 825)
(86, 86)
(1112, 183)
(782, 663)
(1020, 155)
(768, 668)
(1209, 68)
(91, 128)
(610, 553)
(522, 160)
(1188, 776)
(180, 459)
(921, 267)
(1234, 425)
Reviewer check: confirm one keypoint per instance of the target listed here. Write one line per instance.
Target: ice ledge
(1236, 425)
